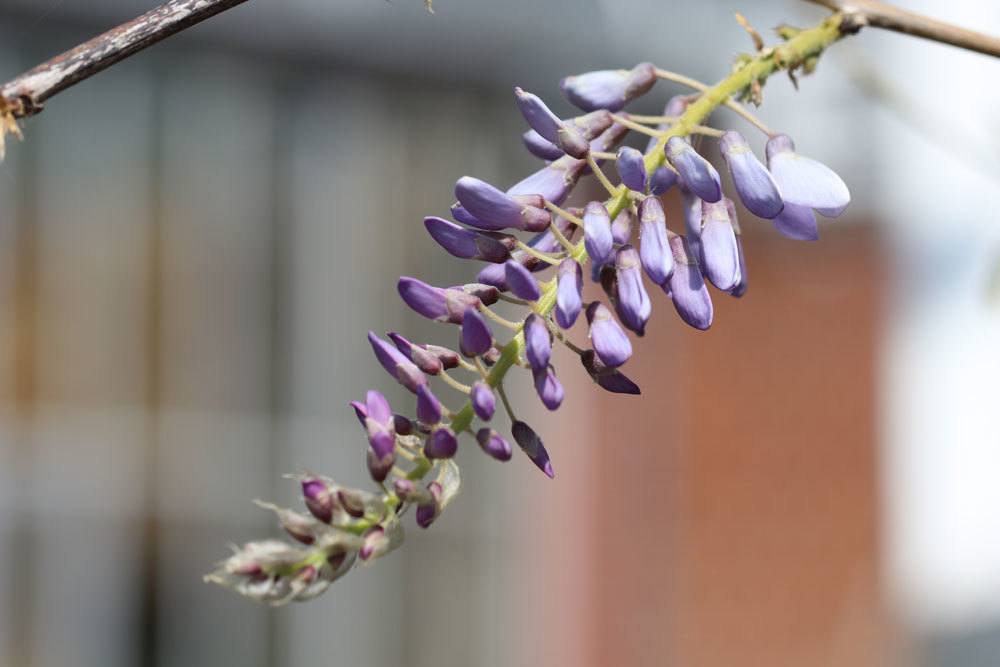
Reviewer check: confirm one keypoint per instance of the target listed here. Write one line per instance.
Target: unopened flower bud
(318, 497)
(429, 510)
(720, 259)
(609, 379)
(654, 250)
(634, 306)
(421, 358)
(610, 342)
(687, 288)
(428, 406)
(466, 243)
(520, 281)
(608, 89)
(537, 342)
(398, 366)
(483, 401)
(754, 184)
(695, 172)
(476, 336)
(663, 179)
(598, 239)
(569, 290)
(441, 444)
(541, 147)
(548, 388)
(496, 210)
(621, 226)
(493, 444)
(532, 445)
(549, 126)
(631, 168)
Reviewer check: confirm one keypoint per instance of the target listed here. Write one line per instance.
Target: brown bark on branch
(25, 95)
(888, 17)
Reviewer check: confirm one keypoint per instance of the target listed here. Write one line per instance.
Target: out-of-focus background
(193, 244)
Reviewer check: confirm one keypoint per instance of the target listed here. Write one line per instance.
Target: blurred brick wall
(731, 513)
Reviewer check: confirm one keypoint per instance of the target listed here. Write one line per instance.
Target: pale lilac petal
(607, 336)
(720, 258)
(797, 222)
(687, 289)
(804, 181)
(654, 250)
(569, 301)
(754, 184)
(695, 172)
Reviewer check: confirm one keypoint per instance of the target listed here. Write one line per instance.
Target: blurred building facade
(193, 244)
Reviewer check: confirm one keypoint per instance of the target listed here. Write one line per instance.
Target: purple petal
(754, 184)
(532, 445)
(741, 287)
(610, 342)
(398, 366)
(318, 498)
(378, 408)
(634, 306)
(361, 410)
(597, 232)
(428, 511)
(465, 243)
(554, 181)
(424, 360)
(720, 256)
(493, 444)
(621, 227)
(631, 168)
(695, 172)
(551, 127)
(687, 289)
(425, 299)
(797, 222)
(520, 281)
(483, 401)
(609, 379)
(495, 210)
(476, 335)
(608, 89)
(537, 342)
(541, 147)
(593, 124)
(441, 443)
(805, 182)
(654, 250)
(428, 406)
(549, 388)
(569, 290)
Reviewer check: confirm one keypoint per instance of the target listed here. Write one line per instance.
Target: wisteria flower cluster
(630, 250)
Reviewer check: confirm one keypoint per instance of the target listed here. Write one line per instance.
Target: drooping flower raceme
(535, 248)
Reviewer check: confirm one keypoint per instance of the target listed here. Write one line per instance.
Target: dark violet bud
(610, 342)
(398, 366)
(403, 425)
(532, 445)
(803, 181)
(448, 358)
(360, 410)
(520, 281)
(662, 180)
(654, 250)
(465, 243)
(621, 227)
(609, 379)
(569, 289)
(631, 168)
(493, 444)
(597, 232)
(549, 388)
(549, 126)
(553, 182)
(754, 184)
(421, 358)
(634, 306)
(720, 256)
(484, 403)
(695, 172)
(495, 210)
(428, 406)
(608, 89)
(797, 222)
(686, 287)
(441, 444)
(476, 335)
(741, 287)
(537, 342)
(428, 511)
(318, 497)
(541, 147)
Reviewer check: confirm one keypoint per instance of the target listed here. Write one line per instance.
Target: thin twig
(888, 17)
(25, 95)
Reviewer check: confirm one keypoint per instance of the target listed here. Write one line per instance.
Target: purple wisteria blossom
(536, 243)
(608, 89)
(569, 299)
(695, 172)
(755, 185)
(598, 239)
